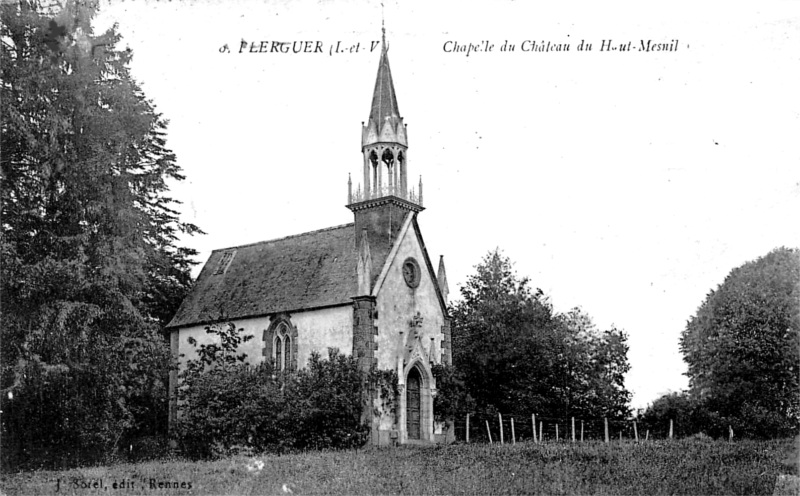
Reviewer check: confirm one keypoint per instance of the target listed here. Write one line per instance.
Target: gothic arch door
(413, 404)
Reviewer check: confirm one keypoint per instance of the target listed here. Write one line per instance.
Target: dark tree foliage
(680, 408)
(743, 347)
(228, 405)
(518, 356)
(327, 403)
(452, 399)
(89, 262)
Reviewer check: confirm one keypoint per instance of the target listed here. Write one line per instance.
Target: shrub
(692, 416)
(227, 405)
(326, 398)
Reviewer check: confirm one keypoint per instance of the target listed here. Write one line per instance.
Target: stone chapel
(368, 287)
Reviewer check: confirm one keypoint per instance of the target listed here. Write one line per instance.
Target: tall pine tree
(91, 269)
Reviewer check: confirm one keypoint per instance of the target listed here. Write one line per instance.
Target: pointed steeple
(384, 116)
(384, 100)
(384, 143)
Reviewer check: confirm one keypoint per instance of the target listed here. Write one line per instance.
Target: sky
(625, 182)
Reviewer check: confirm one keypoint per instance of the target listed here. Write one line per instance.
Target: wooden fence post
(541, 426)
(730, 433)
(500, 417)
(533, 424)
(468, 427)
(670, 428)
(620, 436)
(581, 430)
(513, 434)
(556, 432)
(489, 432)
(635, 432)
(647, 435)
(573, 429)
(605, 420)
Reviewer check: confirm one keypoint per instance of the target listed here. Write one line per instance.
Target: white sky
(627, 183)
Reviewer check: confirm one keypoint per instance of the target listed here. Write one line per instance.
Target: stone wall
(317, 330)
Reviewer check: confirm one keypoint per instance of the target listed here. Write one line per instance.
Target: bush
(227, 405)
(694, 416)
(326, 399)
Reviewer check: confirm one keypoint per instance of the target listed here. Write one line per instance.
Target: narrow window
(278, 353)
(287, 352)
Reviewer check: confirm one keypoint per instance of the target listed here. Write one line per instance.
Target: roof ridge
(283, 238)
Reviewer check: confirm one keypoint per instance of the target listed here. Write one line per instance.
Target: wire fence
(511, 428)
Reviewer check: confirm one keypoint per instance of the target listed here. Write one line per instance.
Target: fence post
(670, 428)
(513, 434)
(489, 432)
(605, 420)
(556, 432)
(620, 436)
(541, 425)
(581, 430)
(647, 435)
(500, 417)
(468, 427)
(635, 432)
(533, 424)
(730, 433)
(573, 429)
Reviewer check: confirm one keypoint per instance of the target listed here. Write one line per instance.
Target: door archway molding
(427, 392)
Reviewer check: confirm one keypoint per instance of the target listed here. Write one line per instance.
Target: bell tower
(382, 203)
(384, 145)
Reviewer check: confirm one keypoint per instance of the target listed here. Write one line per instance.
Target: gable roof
(410, 224)
(431, 273)
(300, 272)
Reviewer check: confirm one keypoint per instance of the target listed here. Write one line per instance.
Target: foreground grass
(679, 467)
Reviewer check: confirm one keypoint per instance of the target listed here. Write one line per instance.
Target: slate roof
(304, 271)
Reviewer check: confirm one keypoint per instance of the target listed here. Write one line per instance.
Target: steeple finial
(383, 29)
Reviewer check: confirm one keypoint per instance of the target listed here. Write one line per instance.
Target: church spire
(385, 124)
(384, 139)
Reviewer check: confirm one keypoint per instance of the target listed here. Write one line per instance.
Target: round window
(411, 272)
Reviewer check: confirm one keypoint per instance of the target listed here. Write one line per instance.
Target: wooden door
(413, 404)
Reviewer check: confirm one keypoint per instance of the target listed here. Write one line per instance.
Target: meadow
(691, 466)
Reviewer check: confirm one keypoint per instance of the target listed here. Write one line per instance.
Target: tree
(517, 355)
(90, 267)
(596, 363)
(493, 329)
(743, 346)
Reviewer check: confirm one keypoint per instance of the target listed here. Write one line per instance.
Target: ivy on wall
(384, 384)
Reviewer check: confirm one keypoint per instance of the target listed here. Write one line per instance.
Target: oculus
(411, 272)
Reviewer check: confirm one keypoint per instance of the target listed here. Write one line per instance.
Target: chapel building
(368, 288)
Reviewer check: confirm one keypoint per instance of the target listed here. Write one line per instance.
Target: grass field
(679, 467)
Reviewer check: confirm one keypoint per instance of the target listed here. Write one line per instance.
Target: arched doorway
(413, 404)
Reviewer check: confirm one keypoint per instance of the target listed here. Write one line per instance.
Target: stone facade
(312, 330)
